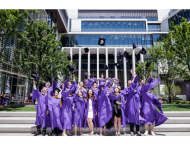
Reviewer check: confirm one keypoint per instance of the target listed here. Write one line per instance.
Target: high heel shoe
(116, 134)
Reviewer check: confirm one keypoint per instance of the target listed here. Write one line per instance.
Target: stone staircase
(24, 122)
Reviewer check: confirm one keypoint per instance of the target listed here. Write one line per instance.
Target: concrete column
(89, 61)
(142, 57)
(133, 59)
(97, 63)
(71, 53)
(106, 62)
(79, 67)
(125, 70)
(115, 60)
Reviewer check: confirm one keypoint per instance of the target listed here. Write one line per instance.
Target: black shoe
(44, 132)
(138, 133)
(38, 131)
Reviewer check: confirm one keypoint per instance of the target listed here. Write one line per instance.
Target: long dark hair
(92, 94)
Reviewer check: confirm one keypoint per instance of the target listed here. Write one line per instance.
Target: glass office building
(121, 29)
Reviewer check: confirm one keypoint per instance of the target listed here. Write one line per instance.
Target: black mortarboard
(69, 57)
(125, 54)
(134, 46)
(56, 89)
(117, 65)
(148, 64)
(34, 75)
(138, 56)
(143, 51)
(101, 41)
(72, 69)
(86, 50)
(106, 67)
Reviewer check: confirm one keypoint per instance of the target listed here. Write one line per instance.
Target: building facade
(121, 29)
(12, 82)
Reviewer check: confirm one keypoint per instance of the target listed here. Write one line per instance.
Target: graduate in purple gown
(42, 111)
(79, 106)
(67, 109)
(133, 105)
(148, 109)
(90, 111)
(105, 108)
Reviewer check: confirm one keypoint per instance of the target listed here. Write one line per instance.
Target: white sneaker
(152, 133)
(132, 133)
(146, 132)
(64, 134)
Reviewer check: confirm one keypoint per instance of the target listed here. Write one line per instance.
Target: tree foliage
(142, 70)
(39, 52)
(11, 20)
(176, 90)
(180, 36)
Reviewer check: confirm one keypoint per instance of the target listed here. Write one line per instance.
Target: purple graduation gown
(79, 105)
(41, 117)
(105, 109)
(67, 111)
(148, 109)
(133, 103)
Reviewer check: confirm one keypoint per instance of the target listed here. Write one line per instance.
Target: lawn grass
(20, 109)
(165, 107)
(177, 107)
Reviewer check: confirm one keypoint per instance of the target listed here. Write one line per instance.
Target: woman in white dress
(90, 112)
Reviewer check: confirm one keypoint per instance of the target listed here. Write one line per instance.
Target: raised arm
(35, 93)
(65, 83)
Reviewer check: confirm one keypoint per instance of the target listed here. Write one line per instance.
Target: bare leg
(75, 130)
(119, 125)
(115, 124)
(80, 130)
(64, 133)
(105, 130)
(89, 125)
(92, 127)
(101, 131)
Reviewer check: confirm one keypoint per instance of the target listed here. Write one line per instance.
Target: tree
(166, 61)
(39, 52)
(142, 70)
(180, 36)
(10, 24)
(176, 90)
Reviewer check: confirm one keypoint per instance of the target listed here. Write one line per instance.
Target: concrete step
(33, 114)
(178, 120)
(177, 113)
(31, 128)
(17, 120)
(31, 120)
(17, 114)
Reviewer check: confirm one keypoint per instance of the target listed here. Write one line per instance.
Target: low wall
(183, 97)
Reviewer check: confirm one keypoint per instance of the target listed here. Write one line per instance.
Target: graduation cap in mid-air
(72, 69)
(134, 46)
(86, 50)
(143, 51)
(148, 64)
(69, 57)
(125, 54)
(138, 56)
(117, 65)
(56, 89)
(106, 67)
(101, 41)
(34, 75)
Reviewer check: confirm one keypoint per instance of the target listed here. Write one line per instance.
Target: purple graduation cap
(72, 69)
(148, 64)
(143, 51)
(86, 50)
(117, 65)
(84, 73)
